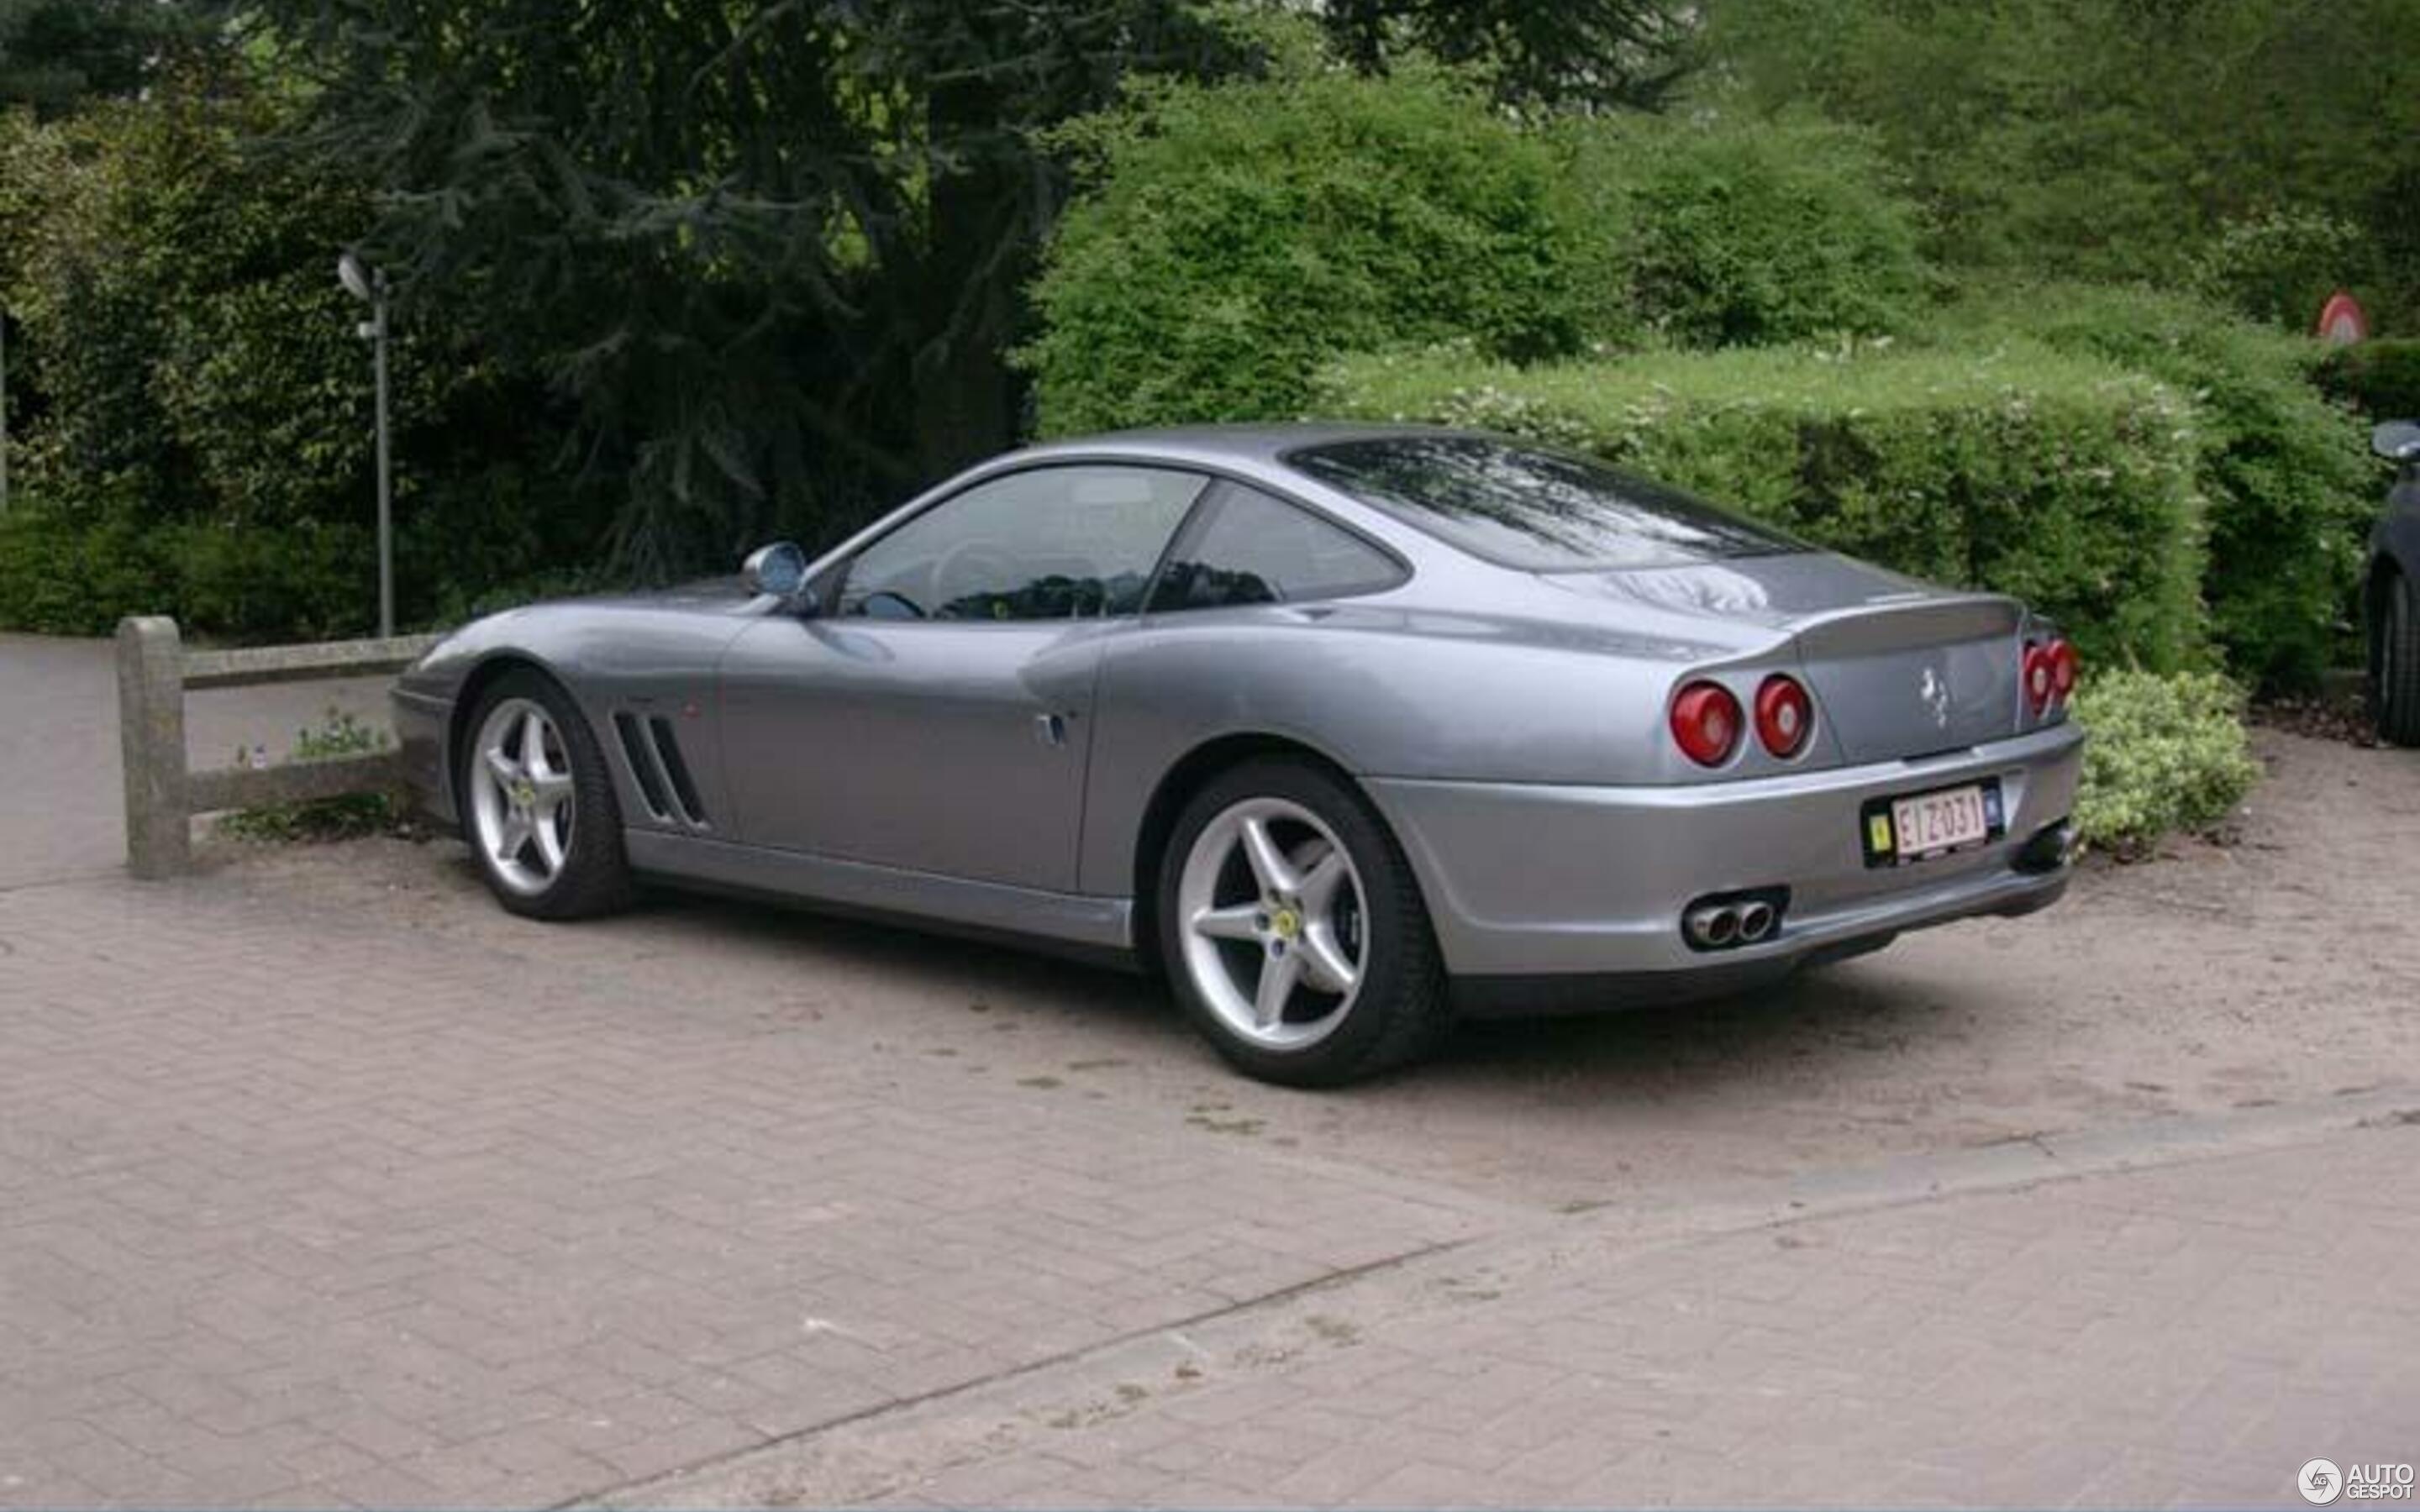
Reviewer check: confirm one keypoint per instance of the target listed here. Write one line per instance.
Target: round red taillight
(2041, 681)
(1706, 722)
(1784, 714)
(2062, 667)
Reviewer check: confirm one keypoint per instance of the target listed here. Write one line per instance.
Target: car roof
(1263, 444)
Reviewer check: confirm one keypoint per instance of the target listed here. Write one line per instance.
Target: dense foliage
(1227, 239)
(2231, 139)
(58, 54)
(2166, 753)
(768, 253)
(201, 443)
(2062, 480)
(1724, 233)
(2381, 378)
(674, 279)
(2285, 476)
(1236, 236)
(1575, 53)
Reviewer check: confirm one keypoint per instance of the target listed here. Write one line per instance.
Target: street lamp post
(369, 287)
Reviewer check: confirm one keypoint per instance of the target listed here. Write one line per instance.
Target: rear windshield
(1536, 510)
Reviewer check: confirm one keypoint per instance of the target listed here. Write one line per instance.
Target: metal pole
(385, 467)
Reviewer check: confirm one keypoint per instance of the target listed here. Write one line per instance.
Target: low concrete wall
(154, 672)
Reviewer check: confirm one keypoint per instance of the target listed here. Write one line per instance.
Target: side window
(1256, 549)
(1053, 543)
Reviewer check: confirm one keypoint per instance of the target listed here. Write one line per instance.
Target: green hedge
(2058, 479)
(2381, 378)
(61, 575)
(2289, 490)
(78, 573)
(1232, 239)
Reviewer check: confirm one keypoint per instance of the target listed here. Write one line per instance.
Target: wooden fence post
(152, 746)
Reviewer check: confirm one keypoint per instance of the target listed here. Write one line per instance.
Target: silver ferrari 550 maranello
(1348, 730)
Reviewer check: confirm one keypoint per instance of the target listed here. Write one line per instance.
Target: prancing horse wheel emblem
(1934, 690)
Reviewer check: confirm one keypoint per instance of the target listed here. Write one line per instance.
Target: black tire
(1401, 1008)
(2394, 673)
(595, 876)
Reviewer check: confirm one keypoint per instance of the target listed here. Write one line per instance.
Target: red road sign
(2342, 320)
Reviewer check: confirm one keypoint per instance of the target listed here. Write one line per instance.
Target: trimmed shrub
(2166, 753)
(75, 575)
(2287, 488)
(2055, 478)
(2381, 378)
(1232, 237)
(78, 573)
(1750, 232)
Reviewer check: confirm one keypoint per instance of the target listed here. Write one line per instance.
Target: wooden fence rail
(163, 794)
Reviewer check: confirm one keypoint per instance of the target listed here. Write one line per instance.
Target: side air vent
(654, 752)
(643, 764)
(684, 790)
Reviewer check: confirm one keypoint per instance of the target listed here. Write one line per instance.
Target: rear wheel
(2394, 675)
(538, 810)
(1293, 929)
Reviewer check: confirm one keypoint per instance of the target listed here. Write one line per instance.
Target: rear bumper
(1529, 883)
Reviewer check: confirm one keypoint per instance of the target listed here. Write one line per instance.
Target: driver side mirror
(2397, 441)
(780, 571)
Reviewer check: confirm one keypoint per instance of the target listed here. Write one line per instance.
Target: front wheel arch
(466, 702)
(591, 875)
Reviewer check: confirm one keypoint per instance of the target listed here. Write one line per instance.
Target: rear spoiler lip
(1898, 625)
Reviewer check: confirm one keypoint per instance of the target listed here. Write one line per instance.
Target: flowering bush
(2165, 753)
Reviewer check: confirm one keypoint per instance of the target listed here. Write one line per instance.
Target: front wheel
(1293, 929)
(538, 810)
(2395, 678)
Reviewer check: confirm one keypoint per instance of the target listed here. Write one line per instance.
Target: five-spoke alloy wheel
(522, 811)
(1272, 911)
(538, 810)
(1293, 929)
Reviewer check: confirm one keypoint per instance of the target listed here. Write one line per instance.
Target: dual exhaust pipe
(1726, 922)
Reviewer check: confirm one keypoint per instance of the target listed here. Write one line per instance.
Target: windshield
(1537, 510)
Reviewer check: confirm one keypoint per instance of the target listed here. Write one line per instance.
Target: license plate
(1924, 824)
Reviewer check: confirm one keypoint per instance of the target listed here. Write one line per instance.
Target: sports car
(1348, 730)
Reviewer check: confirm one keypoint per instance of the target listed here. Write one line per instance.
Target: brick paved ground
(298, 1208)
(322, 1181)
(2186, 1336)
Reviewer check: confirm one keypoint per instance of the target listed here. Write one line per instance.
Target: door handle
(1050, 729)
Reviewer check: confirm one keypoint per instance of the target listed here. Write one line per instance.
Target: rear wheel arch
(1193, 771)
